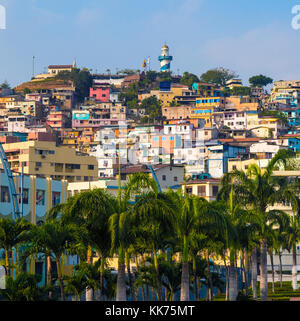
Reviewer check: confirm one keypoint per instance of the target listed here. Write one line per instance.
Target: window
(5, 194)
(215, 190)
(164, 177)
(55, 198)
(175, 178)
(234, 167)
(90, 167)
(40, 197)
(25, 195)
(202, 190)
(86, 178)
(189, 190)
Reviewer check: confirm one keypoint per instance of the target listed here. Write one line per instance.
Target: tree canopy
(5, 85)
(218, 76)
(82, 79)
(188, 79)
(260, 81)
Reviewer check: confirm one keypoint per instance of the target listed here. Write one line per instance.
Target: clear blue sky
(247, 36)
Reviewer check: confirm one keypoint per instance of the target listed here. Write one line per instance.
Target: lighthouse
(165, 59)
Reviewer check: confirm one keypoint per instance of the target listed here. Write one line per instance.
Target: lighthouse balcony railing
(165, 58)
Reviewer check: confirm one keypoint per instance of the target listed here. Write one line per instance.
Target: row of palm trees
(171, 237)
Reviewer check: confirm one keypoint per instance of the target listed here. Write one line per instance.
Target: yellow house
(45, 159)
(55, 69)
(239, 164)
(206, 188)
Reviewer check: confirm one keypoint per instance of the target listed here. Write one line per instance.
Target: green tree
(26, 91)
(152, 108)
(24, 288)
(54, 237)
(260, 81)
(258, 190)
(153, 213)
(241, 91)
(218, 76)
(192, 214)
(12, 233)
(165, 76)
(188, 79)
(5, 85)
(127, 71)
(91, 211)
(82, 80)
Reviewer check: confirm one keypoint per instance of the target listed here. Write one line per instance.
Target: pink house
(100, 93)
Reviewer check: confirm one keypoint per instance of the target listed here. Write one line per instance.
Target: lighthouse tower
(165, 59)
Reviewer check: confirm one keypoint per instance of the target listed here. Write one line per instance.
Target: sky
(249, 37)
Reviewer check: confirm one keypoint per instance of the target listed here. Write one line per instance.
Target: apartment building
(45, 159)
(39, 195)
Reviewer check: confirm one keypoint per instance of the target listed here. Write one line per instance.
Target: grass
(283, 293)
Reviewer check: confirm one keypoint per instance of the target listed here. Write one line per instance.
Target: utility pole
(33, 66)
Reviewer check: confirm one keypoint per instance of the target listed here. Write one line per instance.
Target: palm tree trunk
(280, 268)
(196, 293)
(272, 266)
(102, 270)
(49, 275)
(226, 279)
(89, 291)
(121, 279)
(209, 278)
(185, 277)
(232, 278)
(236, 279)
(7, 262)
(263, 271)
(147, 292)
(130, 277)
(254, 273)
(294, 268)
(139, 288)
(159, 288)
(246, 272)
(60, 280)
(185, 284)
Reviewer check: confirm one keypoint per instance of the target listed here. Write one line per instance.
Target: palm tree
(76, 284)
(172, 273)
(241, 232)
(91, 211)
(23, 288)
(54, 237)
(153, 213)
(12, 233)
(192, 214)
(293, 232)
(121, 223)
(257, 190)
